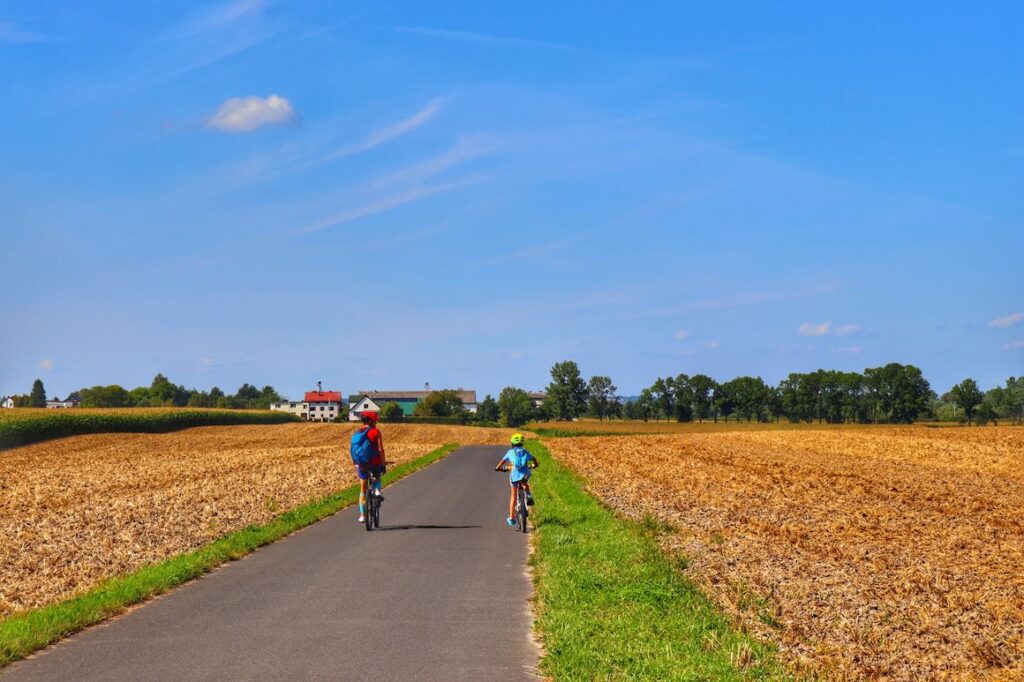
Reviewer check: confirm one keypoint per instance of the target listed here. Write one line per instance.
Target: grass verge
(611, 605)
(25, 632)
(19, 430)
(547, 432)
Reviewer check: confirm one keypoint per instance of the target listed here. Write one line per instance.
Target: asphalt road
(439, 592)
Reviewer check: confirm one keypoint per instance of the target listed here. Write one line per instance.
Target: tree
(567, 390)
(645, 407)
(702, 389)
(749, 395)
(898, 392)
(162, 391)
(684, 397)
(515, 406)
(986, 412)
(446, 403)
(723, 401)
(23, 400)
(1012, 402)
(664, 397)
(487, 410)
(601, 396)
(37, 398)
(968, 395)
(104, 396)
(391, 412)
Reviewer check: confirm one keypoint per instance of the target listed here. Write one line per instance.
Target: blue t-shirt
(520, 459)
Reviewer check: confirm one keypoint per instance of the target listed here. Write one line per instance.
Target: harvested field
(78, 510)
(633, 426)
(887, 553)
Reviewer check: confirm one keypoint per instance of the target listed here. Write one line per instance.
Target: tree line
(892, 394)
(162, 392)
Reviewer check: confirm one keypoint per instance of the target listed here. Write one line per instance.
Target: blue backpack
(520, 458)
(361, 448)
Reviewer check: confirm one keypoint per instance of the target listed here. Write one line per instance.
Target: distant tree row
(160, 393)
(892, 394)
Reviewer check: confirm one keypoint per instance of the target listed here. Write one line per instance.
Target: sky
(381, 195)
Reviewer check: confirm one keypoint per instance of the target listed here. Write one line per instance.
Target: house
(537, 398)
(58, 404)
(7, 401)
(374, 401)
(291, 406)
(316, 406)
(324, 406)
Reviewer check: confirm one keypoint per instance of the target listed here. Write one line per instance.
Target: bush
(46, 427)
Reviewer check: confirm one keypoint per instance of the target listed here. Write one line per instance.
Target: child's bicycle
(372, 509)
(522, 508)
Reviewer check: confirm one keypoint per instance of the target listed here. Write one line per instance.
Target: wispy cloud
(1014, 345)
(1004, 322)
(852, 350)
(826, 328)
(386, 203)
(811, 329)
(46, 365)
(246, 114)
(223, 15)
(485, 39)
(682, 334)
(12, 33)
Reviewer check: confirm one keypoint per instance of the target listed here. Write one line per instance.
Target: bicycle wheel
(368, 515)
(522, 511)
(376, 512)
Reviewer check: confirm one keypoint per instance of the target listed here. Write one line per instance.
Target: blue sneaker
(510, 521)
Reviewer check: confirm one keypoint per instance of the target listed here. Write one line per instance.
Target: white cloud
(224, 14)
(810, 329)
(206, 360)
(1004, 322)
(246, 114)
(1015, 345)
(46, 364)
(682, 334)
(713, 345)
(852, 350)
(846, 329)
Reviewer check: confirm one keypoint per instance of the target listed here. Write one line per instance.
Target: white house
(7, 402)
(58, 404)
(316, 406)
(537, 397)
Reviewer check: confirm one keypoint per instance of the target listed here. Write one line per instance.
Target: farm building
(7, 402)
(316, 406)
(58, 404)
(537, 398)
(374, 401)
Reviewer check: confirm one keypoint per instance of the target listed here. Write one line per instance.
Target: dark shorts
(363, 472)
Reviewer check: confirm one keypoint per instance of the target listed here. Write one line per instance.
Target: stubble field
(77, 510)
(886, 553)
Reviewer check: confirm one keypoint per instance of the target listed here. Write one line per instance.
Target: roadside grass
(25, 632)
(612, 606)
(545, 432)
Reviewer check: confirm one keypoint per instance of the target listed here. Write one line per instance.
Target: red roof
(323, 397)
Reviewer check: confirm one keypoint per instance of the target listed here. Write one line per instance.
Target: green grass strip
(612, 606)
(549, 432)
(28, 631)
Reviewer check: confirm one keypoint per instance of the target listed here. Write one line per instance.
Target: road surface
(439, 592)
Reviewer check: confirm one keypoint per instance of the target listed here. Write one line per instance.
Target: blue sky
(388, 194)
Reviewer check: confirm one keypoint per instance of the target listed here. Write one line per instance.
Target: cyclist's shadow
(423, 527)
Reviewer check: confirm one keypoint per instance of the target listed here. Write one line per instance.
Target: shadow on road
(423, 527)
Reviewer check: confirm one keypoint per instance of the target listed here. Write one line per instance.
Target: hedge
(27, 430)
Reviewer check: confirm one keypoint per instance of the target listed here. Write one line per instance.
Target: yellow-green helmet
(517, 439)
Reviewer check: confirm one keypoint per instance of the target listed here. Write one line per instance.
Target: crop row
(59, 424)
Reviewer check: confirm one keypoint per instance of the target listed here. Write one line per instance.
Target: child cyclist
(367, 452)
(519, 461)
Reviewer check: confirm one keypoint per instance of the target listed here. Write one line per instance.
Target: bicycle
(522, 508)
(372, 509)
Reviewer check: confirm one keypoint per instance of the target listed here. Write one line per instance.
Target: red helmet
(371, 415)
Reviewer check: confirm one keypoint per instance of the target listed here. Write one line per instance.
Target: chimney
(319, 389)
(426, 386)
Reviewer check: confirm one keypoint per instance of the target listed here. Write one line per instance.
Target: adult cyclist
(377, 462)
(520, 462)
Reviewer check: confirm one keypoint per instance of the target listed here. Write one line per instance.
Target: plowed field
(77, 510)
(891, 553)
